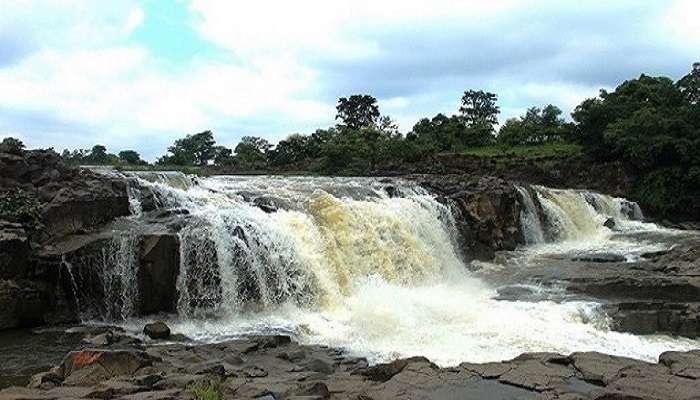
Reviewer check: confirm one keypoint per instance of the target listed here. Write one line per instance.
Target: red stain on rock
(85, 358)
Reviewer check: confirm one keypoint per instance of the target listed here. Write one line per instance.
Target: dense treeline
(650, 124)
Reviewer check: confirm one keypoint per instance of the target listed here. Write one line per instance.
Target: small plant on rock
(23, 208)
(206, 390)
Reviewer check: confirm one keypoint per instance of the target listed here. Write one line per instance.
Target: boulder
(157, 330)
(89, 367)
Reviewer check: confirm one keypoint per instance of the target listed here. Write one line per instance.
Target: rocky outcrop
(73, 199)
(487, 212)
(277, 368)
(660, 293)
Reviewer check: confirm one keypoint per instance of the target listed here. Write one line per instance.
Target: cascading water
(555, 215)
(529, 218)
(367, 265)
(235, 255)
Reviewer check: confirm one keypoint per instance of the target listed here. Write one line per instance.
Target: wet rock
(171, 212)
(14, 251)
(157, 330)
(599, 258)
(272, 341)
(610, 223)
(488, 212)
(266, 204)
(22, 304)
(160, 266)
(654, 254)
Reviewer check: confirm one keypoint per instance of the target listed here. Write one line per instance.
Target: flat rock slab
(275, 367)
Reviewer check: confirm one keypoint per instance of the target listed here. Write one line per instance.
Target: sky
(139, 74)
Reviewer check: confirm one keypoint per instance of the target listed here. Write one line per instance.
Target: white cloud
(85, 69)
(683, 19)
(133, 21)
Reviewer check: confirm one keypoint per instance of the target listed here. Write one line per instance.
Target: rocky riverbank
(658, 294)
(112, 365)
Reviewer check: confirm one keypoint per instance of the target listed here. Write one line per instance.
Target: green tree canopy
(479, 109)
(252, 151)
(536, 126)
(197, 149)
(357, 111)
(130, 157)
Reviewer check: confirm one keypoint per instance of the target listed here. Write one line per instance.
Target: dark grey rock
(157, 330)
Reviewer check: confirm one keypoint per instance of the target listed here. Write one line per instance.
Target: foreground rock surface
(275, 367)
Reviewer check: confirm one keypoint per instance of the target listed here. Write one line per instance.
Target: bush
(23, 208)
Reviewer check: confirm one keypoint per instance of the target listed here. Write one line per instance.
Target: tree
(479, 109)
(195, 149)
(293, 149)
(651, 125)
(536, 126)
(689, 85)
(130, 157)
(223, 156)
(360, 110)
(252, 151)
(388, 126)
(98, 155)
(11, 145)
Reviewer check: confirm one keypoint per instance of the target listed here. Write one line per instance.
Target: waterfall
(363, 264)
(529, 218)
(120, 275)
(556, 215)
(235, 256)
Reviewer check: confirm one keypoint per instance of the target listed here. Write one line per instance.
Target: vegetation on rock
(23, 208)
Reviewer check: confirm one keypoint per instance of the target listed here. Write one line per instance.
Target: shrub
(23, 208)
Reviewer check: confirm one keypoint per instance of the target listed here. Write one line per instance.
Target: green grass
(206, 390)
(527, 151)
